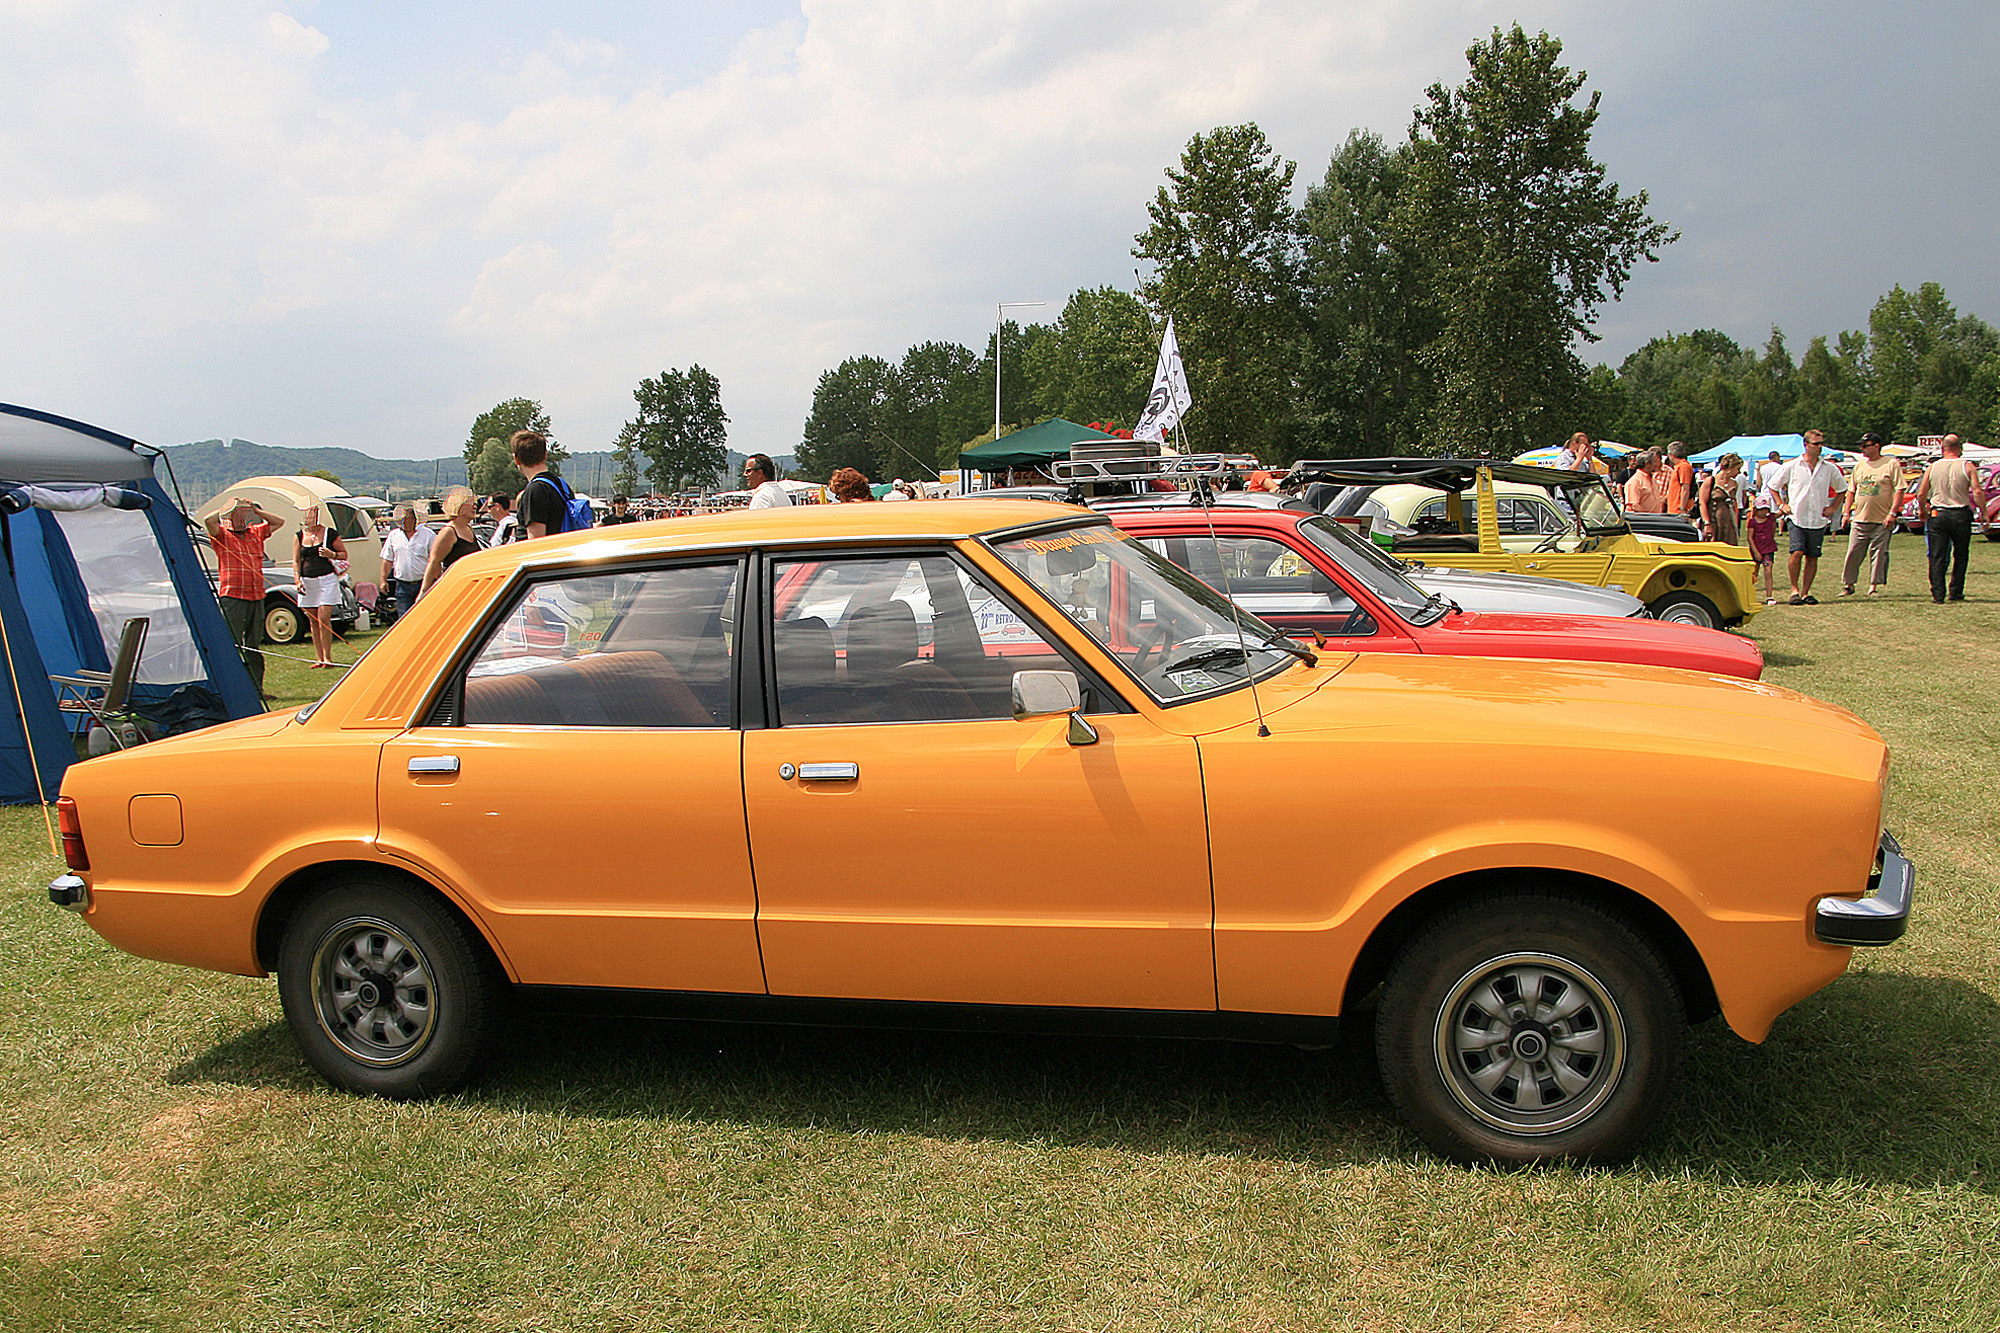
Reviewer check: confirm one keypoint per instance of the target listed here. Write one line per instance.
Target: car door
(912, 841)
(581, 783)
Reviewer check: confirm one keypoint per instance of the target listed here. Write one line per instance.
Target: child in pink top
(1761, 530)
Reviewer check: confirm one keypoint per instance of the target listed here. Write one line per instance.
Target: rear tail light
(72, 834)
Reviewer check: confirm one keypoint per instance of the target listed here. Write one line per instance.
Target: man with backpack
(548, 505)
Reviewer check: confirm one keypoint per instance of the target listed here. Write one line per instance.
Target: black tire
(1686, 608)
(1608, 1027)
(387, 990)
(283, 622)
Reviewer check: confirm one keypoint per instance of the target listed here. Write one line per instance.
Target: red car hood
(1597, 639)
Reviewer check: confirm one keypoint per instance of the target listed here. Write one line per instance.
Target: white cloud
(208, 243)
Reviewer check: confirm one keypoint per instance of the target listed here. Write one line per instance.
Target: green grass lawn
(167, 1161)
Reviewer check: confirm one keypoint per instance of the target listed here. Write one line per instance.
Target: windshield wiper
(1287, 644)
(1207, 656)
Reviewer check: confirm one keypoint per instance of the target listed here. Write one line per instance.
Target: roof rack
(1106, 465)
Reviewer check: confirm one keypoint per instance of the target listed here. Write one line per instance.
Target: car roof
(915, 519)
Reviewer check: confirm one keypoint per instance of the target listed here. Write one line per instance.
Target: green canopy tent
(1035, 447)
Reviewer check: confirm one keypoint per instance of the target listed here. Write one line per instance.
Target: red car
(1303, 574)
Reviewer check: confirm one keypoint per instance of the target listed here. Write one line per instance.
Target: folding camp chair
(101, 694)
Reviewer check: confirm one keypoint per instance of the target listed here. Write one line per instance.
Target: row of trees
(678, 439)
(1920, 368)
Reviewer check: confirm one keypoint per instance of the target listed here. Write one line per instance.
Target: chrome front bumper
(70, 891)
(1878, 918)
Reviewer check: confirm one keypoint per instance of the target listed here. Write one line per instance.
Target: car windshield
(1592, 502)
(1177, 636)
(1381, 575)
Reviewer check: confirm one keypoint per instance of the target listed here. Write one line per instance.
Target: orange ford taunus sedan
(982, 764)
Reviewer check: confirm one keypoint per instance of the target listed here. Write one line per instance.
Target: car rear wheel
(283, 622)
(387, 991)
(1686, 608)
(1524, 1028)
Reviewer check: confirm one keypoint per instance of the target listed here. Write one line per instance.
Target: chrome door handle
(829, 772)
(437, 763)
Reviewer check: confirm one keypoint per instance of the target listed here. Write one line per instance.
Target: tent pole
(28, 738)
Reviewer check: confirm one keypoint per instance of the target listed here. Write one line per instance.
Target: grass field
(167, 1161)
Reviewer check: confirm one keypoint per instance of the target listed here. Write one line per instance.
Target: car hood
(1546, 711)
(1475, 591)
(1599, 639)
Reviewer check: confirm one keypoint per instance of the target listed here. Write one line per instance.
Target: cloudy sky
(362, 223)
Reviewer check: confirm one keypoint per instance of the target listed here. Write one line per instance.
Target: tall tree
(1921, 359)
(1527, 239)
(625, 461)
(936, 401)
(681, 428)
(1364, 391)
(500, 421)
(846, 421)
(1096, 361)
(1224, 243)
(492, 470)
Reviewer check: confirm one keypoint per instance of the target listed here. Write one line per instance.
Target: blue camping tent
(89, 540)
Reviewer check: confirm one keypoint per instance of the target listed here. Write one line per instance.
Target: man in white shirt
(1808, 490)
(1768, 469)
(405, 553)
(501, 510)
(760, 478)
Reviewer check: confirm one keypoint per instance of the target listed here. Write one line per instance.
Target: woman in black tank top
(456, 541)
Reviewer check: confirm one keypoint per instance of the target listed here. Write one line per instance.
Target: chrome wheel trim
(373, 991)
(1530, 1043)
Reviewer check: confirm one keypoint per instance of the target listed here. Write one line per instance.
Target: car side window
(1268, 579)
(645, 648)
(895, 639)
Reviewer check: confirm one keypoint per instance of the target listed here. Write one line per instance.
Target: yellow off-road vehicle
(1573, 529)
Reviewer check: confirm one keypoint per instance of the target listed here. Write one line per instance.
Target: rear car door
(581, 782)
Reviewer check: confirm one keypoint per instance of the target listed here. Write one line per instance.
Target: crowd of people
(1804, 499)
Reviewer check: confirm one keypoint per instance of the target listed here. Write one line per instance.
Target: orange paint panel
(155, 820)
(975, 860)
(614, 853)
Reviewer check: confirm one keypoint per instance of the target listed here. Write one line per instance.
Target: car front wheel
(387, 991)
(1523, 1028)
(1686, 608)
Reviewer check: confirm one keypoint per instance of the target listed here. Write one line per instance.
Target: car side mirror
(1050, 694)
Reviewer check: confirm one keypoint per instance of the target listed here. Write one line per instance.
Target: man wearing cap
(1947, 497)
(1807, 488)
(1872, 491)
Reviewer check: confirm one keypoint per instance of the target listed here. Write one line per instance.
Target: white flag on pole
(1170, 396)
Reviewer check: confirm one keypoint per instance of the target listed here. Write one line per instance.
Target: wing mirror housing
(1051, 694)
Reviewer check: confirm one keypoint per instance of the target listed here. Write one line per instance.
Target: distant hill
(207, 468)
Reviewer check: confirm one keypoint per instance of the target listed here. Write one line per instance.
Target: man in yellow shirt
(1872, 491)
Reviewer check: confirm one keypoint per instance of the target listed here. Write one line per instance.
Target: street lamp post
(999, 313)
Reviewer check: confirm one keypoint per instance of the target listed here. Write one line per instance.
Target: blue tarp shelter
(1754, 449)
(89, 540)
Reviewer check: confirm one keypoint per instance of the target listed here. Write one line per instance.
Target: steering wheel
(1552, 542)
(1163, 633)
(1351, 623)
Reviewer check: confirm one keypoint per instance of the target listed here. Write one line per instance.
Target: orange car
(984, 764)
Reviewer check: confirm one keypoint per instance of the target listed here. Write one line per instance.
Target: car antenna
(1204, 499)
